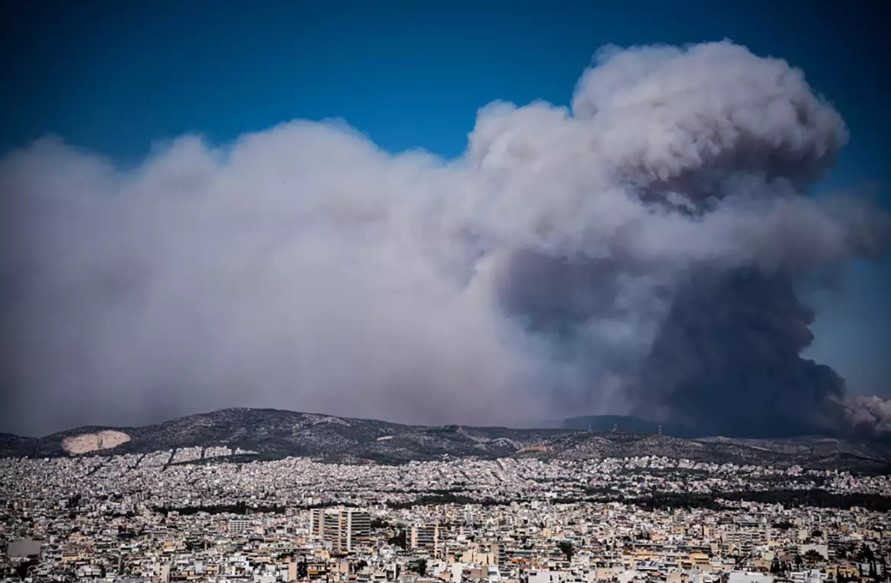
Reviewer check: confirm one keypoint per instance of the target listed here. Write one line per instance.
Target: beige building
(343, 529)
(425, 537)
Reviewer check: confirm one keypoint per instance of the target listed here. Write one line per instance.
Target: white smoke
(869, 413)
(302, 267)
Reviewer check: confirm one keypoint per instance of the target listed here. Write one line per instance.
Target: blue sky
(117, 77)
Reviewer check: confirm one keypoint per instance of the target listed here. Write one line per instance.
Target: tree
(399, 540)
(566, 548)
(23, 568)
(865, 554)
(358, 565)
(812, 557)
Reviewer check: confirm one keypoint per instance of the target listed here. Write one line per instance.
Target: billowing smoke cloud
(727, 355)
(637, 252)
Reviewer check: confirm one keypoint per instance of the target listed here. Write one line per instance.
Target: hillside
(271, 433)
(627, 424)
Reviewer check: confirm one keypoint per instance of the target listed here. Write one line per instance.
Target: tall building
(499, 552)
(239, 525)
(343, 529)
(425, 537)
(331, 530)
(358, 529)
(316, 522)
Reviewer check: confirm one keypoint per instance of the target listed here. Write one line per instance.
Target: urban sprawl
(193, 515)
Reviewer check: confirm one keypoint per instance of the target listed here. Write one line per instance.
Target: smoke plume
(637, 252)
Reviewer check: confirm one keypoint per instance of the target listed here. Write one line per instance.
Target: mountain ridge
(256, 434)
(629, 424)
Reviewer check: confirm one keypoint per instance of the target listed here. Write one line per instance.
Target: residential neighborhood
(191, 515)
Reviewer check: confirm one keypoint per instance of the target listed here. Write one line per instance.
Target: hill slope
(599, 423)
(271, 433)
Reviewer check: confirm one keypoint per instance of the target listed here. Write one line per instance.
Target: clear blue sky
(115, 76)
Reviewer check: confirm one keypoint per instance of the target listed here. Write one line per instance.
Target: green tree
(399, 539)
(865, 554)
(358, 565)
(565, 547)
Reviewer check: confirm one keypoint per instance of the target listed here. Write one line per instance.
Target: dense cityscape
(443, 292)
(193, 515)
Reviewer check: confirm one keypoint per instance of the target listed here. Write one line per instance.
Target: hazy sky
(121, 80)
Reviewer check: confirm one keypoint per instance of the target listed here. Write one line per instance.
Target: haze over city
(447, 213)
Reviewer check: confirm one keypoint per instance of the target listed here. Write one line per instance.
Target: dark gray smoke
(637, 252)
(727, 360)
